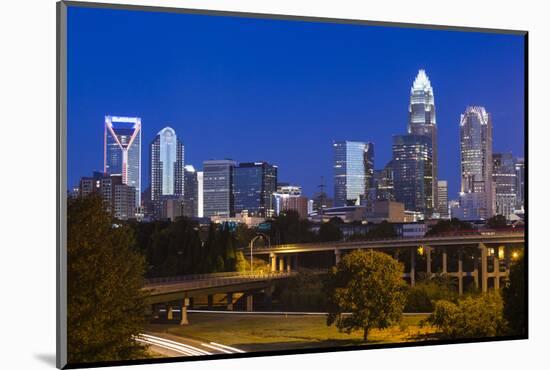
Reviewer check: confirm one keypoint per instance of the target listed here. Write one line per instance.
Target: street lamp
(252, 245)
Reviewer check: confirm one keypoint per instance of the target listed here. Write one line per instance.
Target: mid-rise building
(218, 188)
(253, 187)
(290, 198)
(476, 162)
(412, 172)
(122, 151)
(504, 178)
(200, 194)
(353, 173)
(119, 198)
(442, 199)
(422, 121)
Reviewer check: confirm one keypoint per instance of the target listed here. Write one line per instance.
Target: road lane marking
(165, 346)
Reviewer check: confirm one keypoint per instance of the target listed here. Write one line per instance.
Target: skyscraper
(422, 121)
(122, 151)
(191, 195)
(200, 194)
(290, 198)
(442, 199)
(476, 157)
(167, 165)
(383, 182)
(217, 188)
(504, 178)
(520, 182)
(353, 172)
(412, 172)
(253, 188)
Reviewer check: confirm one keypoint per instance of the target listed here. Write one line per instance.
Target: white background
(27, 181)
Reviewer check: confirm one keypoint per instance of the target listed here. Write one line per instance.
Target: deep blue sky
(280, 91)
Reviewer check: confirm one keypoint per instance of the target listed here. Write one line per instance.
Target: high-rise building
(520, 183)
(191, 195)
(217, 188)
(167, 165)
(442, 199)
(476, 157)
(200, 194)
(353, 173)
(504, 179)
(383, 182)
(253, 187)
(422, 121)
(412, 172)
(122, 151)
(290, 198)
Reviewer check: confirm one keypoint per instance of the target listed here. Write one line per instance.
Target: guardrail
(221, 276)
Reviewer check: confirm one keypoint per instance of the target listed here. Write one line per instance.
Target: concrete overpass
(491, 253)
(180, 291)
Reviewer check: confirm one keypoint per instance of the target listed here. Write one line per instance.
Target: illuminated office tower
(122, 151)
(422, 121)
(190, 198)
(504, 179)
(520, 183)
(200, 194)
(253, 188)
(218, 188)
(383, 182)
(290, 198)
(353, 173)
(442, 199)
(167, 165)
(476, 161)
(412, 172)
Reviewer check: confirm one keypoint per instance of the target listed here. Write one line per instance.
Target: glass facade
(476, 157)
(422, 120)
(412, 172)
(383, 180)
(504, 178)
(353, 172)
(122, 151)
(167, 165)
(442, 199)
(253, 187)
(217, 188)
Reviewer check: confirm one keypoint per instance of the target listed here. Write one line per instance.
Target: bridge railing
(213, 276)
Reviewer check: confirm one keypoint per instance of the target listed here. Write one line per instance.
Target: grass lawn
(258, 333)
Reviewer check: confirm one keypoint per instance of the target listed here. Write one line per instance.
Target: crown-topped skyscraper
(422, 120)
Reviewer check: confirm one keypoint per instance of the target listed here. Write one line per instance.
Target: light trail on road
(186, 349)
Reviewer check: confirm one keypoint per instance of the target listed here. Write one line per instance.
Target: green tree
(470, 317)
(424, 294)
(382, 230)
(369, 286)
(289, 228)
(330, 231)
(105, 301)
(513, 295)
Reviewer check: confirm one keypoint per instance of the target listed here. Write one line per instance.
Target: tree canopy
(106, 306)
(365, 291)
(513, 295)
(449, 226)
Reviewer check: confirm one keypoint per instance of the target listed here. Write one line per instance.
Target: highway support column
(184, 305)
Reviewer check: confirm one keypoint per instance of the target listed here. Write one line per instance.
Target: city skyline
(363, 113)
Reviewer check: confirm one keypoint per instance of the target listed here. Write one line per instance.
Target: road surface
(174, 346)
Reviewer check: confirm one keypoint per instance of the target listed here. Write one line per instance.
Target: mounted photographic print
(236, 185)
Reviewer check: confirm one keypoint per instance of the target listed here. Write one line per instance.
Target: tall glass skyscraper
(253, 188)
(217, 188)
(383, 182)
(476, 157)
(122, 151)
(422, 121)
(353, 172)
(504, 178)
(412, 172)
(167, 165)
(191, 195)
